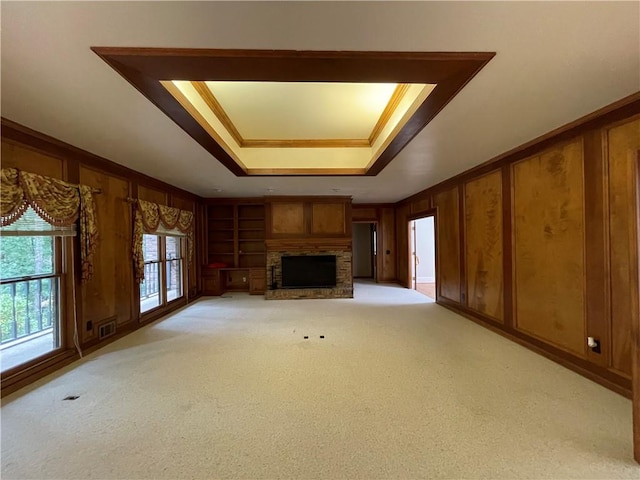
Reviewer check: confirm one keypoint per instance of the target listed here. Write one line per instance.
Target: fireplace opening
(309, 271)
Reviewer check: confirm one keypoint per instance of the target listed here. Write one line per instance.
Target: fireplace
(335, 282)
(308, 271)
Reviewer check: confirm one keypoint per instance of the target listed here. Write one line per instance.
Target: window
(30, 275)
(163, 270)
(173, 262)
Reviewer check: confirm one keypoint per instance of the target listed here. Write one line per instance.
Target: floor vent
(106, 329)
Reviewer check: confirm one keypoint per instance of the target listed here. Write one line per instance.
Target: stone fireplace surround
(344, 277)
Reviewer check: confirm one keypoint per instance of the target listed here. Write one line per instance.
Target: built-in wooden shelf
(236, 238)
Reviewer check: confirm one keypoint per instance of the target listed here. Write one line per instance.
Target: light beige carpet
(398, 388)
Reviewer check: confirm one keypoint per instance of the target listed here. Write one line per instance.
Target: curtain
(58, 203)
(148, 218)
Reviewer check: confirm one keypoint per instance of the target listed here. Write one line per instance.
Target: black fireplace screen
(308, 271)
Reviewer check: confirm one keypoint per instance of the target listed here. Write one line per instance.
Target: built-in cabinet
(235, 247)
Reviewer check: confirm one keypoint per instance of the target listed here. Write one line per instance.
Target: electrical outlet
(244, 279)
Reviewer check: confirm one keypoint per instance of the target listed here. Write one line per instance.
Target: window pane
(174, 279)
(29, 308)
(150, 287)
(25, 256)
(150, 247)
(173, 247)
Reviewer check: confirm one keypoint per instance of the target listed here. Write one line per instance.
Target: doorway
(422, 259)
(365, 250)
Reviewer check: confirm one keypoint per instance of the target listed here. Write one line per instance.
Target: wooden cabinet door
(211, 282)
(257, 281)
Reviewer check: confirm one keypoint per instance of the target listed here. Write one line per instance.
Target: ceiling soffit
(154, 71)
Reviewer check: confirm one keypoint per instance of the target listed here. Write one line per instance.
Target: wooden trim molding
(635, 339)
(146, 68)
(622, 109)
(212, 102)
(599, 375)
(307, 143)
(308, 243)
(392, 105)
(19, 134)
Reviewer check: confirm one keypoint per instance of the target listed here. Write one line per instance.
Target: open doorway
(365, 251)
(422, 259)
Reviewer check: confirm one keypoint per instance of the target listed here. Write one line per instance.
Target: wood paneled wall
(540, 244)
(483, 246)
(384, 216)
(449, 274)
(308, 217)
(112, 293)
(549, 250)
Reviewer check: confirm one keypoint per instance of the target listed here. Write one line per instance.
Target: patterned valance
(148, 218)
(56, 202)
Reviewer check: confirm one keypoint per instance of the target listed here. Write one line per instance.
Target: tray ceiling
(280, 112)
(555, 62)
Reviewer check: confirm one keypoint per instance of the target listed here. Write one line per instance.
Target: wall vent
(106, 329)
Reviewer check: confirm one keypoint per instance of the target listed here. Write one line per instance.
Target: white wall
(426, 250)
(362, 250)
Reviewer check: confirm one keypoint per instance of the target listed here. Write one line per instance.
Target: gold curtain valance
(56, 202)
(148, 218)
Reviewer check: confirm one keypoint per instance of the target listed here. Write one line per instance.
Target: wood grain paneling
(328, 218)
(402, 245)
(448, 244)
(363, 213)
(110, 292)
(623, 143)
(548, 213)
(635, 339)
(387, 245)
(183, 203)
(287, 218)
(421, 205)
(16, 156)
(483, 246)
(152, 195)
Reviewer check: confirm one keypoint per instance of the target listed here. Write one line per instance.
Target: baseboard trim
(600, 375)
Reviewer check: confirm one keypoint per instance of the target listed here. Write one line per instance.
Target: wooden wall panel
(448, 244)
(483, 246)
(549, 263)
(183, 203)
(387, 245)
(328, 218)
(110, 291)
(402, 245)
(152, 195)
(421, 205)
(16, 156)
(364, 213)
(623, 143)
(287, 218)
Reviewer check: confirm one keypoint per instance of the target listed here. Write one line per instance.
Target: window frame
(162, 260)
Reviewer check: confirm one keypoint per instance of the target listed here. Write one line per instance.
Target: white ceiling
(555, 62)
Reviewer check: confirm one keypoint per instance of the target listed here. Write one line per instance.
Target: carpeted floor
(398, 388)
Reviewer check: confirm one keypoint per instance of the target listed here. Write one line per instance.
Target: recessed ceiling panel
(298, 112)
